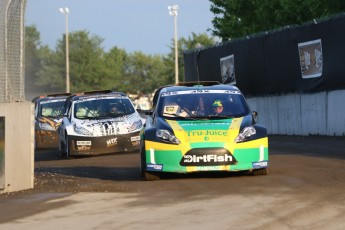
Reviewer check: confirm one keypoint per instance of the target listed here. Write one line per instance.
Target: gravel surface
(304, 189)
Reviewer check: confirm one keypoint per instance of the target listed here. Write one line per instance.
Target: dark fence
(302, 59)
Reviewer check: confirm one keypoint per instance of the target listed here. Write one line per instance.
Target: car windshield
(100, 108)
(204, 104)
(53, 108)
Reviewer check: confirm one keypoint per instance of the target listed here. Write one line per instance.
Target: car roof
(198, 86)
(48, 97)
(96, 94)
(201, 85)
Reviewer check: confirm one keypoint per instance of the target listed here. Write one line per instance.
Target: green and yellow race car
(202, 127)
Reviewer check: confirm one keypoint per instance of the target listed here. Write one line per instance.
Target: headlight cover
(245, 133)
(136, 125)
(45, 126)
(82, 131)
(167, 136)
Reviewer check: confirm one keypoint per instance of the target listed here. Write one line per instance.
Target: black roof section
(51, 96)
(95, 93)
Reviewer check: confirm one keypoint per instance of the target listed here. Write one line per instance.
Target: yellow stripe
(160, 146)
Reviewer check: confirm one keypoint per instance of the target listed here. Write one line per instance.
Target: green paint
(205, 125)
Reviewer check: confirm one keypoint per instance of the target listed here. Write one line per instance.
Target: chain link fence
(12, 50)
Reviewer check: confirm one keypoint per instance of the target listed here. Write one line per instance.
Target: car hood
(110, 126)
(220, 130)
(53, 122)
(207, 130)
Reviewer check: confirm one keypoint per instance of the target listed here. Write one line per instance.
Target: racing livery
(198, 128)
(49, 110)
(99, 122)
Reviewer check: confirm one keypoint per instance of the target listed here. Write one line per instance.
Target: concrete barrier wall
(19, 146)
(302, 114)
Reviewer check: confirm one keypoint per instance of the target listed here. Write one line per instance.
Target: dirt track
(304, 189)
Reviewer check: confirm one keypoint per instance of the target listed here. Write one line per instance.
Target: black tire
(68, 147)
(151, 176)
(64, 148)
(142, 160)
(258, 172)
(147, 175)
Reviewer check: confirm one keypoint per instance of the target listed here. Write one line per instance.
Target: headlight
(136, 125)
(167, 136)
(45, 126)
(245, 133)
(82, 130)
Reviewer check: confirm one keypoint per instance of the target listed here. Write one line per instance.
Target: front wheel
(257, 172)
(64, 148)
(151, 176)
(147, 175)
(142, 160)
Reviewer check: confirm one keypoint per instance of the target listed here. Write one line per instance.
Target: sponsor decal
(207, 159)
(154, 167)
(135, 138)
(260, 164)
(207, 133)
(208, 168)
(204, 124)
(165, 94)
(135, 143)
(212, 126)
(169, 108)
(52, 101)
(88, 143)
(83, 148)
(112, 142)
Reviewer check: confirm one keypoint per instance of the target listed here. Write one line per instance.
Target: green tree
(237, 18)
(143, 73)
(92, 69)
(85, 61)
(194, 41)
(86, 55)
(115, 62)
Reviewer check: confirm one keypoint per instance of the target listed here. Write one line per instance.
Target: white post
(173, 12)
(66, 11)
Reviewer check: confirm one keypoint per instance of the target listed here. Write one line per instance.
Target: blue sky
(134, 25)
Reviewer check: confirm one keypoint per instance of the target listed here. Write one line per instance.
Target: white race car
(99, 122)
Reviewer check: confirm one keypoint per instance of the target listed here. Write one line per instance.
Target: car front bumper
(80, 145)
(183, 158)
(46, 139)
